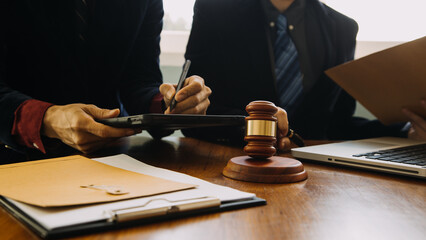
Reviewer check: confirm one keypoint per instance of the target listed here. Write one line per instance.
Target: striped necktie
(82, 16)
(287, 68)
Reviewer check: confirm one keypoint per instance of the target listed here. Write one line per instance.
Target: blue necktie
(287, 68)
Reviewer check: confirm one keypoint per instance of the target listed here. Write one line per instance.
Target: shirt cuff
(157, 104)
(27, 123)
(406, 127)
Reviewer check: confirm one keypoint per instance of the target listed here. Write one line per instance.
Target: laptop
(387, 154)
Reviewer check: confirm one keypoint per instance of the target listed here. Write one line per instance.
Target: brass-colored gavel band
(261, 128)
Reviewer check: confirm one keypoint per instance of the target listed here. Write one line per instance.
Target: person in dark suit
(64, 64)
(233, 43)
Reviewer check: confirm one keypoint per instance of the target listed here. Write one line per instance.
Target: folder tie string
(113, 190)
(287, 68)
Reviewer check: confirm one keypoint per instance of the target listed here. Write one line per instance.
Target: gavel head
(261, 129)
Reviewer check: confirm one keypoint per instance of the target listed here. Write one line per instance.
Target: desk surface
(334, 203)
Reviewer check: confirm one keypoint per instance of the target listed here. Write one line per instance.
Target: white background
(379, 20)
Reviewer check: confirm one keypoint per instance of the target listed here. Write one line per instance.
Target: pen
(181, 82)
(295, 138)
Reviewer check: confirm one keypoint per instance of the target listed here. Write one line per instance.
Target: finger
(192, 106)
(416, 119)
(83, 137)
(93, 146)
(99, 113)
(189, 103)
(193, 85)
(89, 125)
(168, 110)
(98, 129)
(104, 131)
(284, 143)
(411, 133)
(282, 121)
(418, 132)
(197, 103)
(168, 91)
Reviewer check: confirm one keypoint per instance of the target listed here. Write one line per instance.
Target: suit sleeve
(10, 99)
(142, 76)
(206, 54)
(205, 50)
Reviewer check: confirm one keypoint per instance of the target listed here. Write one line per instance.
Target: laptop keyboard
(414, 155)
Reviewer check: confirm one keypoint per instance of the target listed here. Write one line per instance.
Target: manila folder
(76, 180)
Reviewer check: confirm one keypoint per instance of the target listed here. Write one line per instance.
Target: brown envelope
(57, 182)
(387, 81)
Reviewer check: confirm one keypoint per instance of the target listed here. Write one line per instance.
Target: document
(57, 220)
(387, 81)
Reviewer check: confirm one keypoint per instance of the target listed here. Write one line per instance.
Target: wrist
(47, 128)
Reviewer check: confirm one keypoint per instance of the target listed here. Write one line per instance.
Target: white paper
(51, 218)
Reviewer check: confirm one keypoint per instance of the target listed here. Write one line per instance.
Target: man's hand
(75, 125)
(193, 98)
(283, 142)
(418, 124)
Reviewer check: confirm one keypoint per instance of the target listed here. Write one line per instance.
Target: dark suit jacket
(230, 47)
(39, 57)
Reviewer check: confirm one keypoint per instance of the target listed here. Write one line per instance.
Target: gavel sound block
(260, 165)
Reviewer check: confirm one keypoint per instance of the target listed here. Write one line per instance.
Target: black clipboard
(97, 226)
(154, 121)
(55, 222)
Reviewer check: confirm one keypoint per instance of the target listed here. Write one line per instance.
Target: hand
(283, 142)
(193, 98)
(418, 124)
(74, 125)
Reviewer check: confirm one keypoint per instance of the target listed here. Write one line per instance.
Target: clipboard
(154, 121)
(85, 228)
(387, 81)
(77, 220)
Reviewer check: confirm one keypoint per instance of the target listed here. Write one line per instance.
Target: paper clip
(113, 190)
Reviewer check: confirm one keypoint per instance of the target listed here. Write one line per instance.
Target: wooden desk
(334, 203)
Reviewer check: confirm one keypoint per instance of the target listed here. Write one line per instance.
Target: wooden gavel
(261, 129)
(261, 165)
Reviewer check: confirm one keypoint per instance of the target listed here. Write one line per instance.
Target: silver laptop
(387, 154)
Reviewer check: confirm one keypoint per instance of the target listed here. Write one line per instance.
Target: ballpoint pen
(181, 82)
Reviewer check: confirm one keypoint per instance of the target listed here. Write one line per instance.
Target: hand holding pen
(181, 82)
(189, 96)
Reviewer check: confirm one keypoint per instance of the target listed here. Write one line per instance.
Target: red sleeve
(156, 104)
(27, 123)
